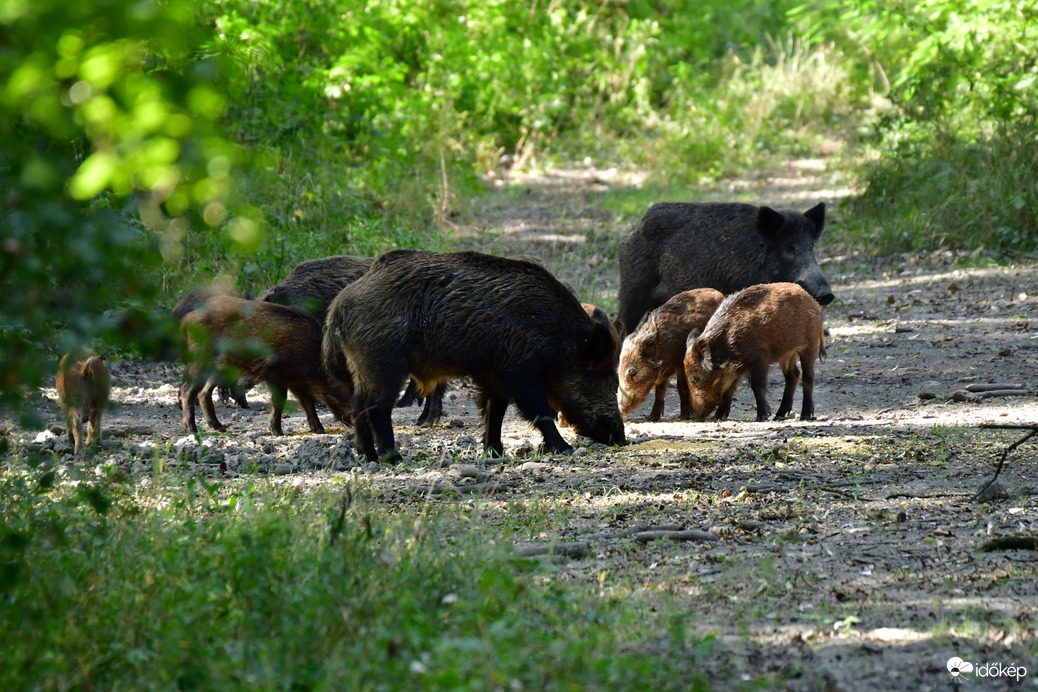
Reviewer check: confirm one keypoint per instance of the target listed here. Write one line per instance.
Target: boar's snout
(608, 430)
(818, 288)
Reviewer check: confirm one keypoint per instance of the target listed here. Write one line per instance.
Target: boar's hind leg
(75, 430)
(208, 410)
(92, 413)
(188, 399)
(789, 369)
(433, 410)
(493, 417)
(807, 361)
(306, 400)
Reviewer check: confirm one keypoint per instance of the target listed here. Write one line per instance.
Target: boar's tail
(821, 347)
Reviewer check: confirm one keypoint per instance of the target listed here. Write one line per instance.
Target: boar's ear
(621, 330)
(816, 215)
(769, 223)
(692, 336)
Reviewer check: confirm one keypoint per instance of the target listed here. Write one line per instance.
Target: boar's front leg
(278, 397)
(433, 409)
(208, 410)
(759, 384)
(789, 369)
(532, 402)
(684, 395)
(380, 419)
(188, 398)
(493, 417)
(658, 403)
(306, 401)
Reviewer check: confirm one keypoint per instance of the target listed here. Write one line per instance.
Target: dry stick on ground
(998, 469)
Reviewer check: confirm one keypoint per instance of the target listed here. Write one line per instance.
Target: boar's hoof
(392, 457)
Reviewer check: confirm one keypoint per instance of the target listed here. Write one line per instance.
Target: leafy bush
(107, 154)
(958, 153)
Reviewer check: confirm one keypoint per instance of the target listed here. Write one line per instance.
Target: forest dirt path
(841, 553)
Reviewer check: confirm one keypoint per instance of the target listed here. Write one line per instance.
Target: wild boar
(313, 285)
(194, 299)
(759, 325)
(657, 350)
(83, 388)
(277, 344)
(680, 246)
(507, 324)
(598, 315)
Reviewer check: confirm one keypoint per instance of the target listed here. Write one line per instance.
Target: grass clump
(209, 587)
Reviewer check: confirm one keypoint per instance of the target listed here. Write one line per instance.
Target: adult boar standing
(726, 246)
(508, 324)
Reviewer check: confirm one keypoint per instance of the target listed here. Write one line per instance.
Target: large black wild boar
(276, 344)
(313, 285)
(507, 324)
(680, 246)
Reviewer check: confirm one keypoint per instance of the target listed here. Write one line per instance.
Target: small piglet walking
(753, 328)
(83, 388)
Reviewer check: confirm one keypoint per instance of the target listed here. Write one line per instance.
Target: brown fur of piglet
(83, 388)
(656, 351)
(277, 344)
(758, 326)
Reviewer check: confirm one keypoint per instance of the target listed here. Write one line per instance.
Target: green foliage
(107, 156)
(247, 586)
(958, 165)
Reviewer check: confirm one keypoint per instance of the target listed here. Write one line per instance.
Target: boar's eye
(632, 373)
(791, 250)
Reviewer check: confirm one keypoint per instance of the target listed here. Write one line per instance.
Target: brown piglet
(758, 326)
(83, 387)
(277, 344)
(657, 350)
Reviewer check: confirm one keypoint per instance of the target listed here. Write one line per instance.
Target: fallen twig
(689, 535)
(1033, 428)
(574, 549)
(927, 496)
(1000, 386)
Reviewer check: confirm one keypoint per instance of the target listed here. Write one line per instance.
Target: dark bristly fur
(508, 324)
(313, 285)
(677, 247)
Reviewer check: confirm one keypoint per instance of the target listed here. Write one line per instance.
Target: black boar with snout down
(507, 324)
(680, 246)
